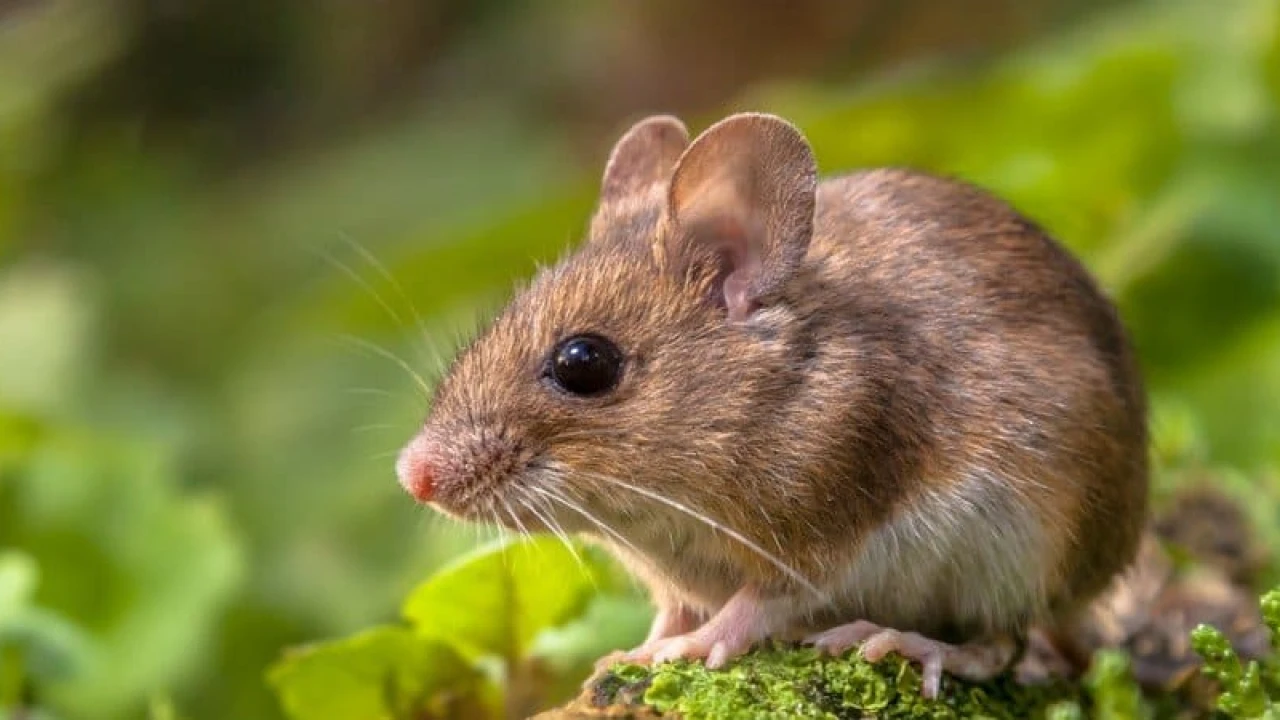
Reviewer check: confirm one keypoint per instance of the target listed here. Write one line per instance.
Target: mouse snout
(417, 469)
(460, 471)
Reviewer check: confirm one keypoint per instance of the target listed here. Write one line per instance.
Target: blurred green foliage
(202, 377)
(524, 605)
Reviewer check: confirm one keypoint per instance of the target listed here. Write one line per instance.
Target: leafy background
(231, 232)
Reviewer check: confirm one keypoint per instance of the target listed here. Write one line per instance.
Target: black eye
(586, 365)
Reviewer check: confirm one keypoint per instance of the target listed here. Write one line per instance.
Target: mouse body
(881, 410)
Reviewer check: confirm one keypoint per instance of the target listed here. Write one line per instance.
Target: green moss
(1249, 690)
(1110, 685)
(797, 682)
(801, 683)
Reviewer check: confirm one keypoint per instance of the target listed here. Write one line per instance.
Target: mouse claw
(975, 661)
(839, 639)
(719, 656)
(693, 646)
(931, 655)
(682, 647)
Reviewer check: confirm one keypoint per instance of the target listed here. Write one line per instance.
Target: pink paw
(739, 624)
(839, 639)
(691, 646)
(975, 661)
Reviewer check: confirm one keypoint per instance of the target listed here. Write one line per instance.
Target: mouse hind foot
(976, 661)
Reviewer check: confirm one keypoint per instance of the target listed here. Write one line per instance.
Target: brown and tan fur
(928, 410)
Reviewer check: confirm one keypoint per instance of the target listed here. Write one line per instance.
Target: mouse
(879, 410)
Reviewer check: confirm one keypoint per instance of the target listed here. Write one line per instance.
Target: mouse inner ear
(644, 155)
(742, 197)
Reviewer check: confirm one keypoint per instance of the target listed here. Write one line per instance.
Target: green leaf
(386, 672)
(611, 622)
(18, 575)
(44, 645)
(134, 573)
(52, 648)
(497, 600)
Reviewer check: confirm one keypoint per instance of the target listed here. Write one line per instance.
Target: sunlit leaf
(497, 600)
(611, 622)
(384, 673)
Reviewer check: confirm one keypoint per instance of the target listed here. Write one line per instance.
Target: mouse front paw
(732, 631)
(605, 663)
(716, 650)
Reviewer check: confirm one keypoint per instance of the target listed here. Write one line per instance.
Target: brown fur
(932, 382)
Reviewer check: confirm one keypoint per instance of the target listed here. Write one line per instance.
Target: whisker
(555, 529)
(371, 391)
(377, 265)
(491, 520)
(548, 515)
(524, 531)
(360, 281)
(721, 527)
(383, 352)
(386, 307)
(372, 427)
(604, 527)
(436, 354)
(503, 534)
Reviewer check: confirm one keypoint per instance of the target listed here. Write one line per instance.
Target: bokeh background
(232, 230)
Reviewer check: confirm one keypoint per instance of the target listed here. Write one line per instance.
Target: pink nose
(416, 475)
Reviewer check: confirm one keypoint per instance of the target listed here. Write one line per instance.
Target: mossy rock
(800, 683)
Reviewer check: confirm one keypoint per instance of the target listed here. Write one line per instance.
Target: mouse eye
(586, 365)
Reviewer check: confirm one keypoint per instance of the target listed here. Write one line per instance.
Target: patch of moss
(799, 682)
(1249, 690)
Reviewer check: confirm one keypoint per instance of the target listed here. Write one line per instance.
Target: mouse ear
(644, 155)
(743, 193)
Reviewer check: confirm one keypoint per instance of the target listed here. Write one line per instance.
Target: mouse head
(643, 367)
